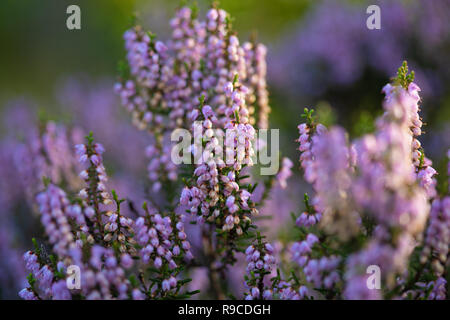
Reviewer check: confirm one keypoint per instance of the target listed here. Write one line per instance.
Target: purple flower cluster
(437, 239)
(300, 250)
(104, 274)
(166, 80)
(218, 196)
(434, 255)
(68, 233)
(376, 200)
(323, 272)
(388, 155)
(202, 59)
(333, 181)
(287, 291)
(308, 131)
(164, 243)
(45, 279)
(320, 272)
(94, 216)
(285, 172)
(87, 233)
(425, 173)
(94, 175)
(44, 275)
(378, 188)
(53, 206)
(260, 262)
(387, 188)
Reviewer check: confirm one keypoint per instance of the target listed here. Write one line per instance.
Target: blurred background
(320, 54)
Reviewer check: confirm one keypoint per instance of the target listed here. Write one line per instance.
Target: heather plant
(201, 75)
(87, 230)
(163, 81)
(374, 204)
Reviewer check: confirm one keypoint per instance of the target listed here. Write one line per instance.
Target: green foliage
(307, 114)
(90, 138)
(201, 100)
(308, 207)
(403, 78)
(31, 280)
(123, 69)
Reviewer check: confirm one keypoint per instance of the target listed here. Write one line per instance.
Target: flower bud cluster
(166, 79)
(260, 263)
(218, 196)
(164, 245)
